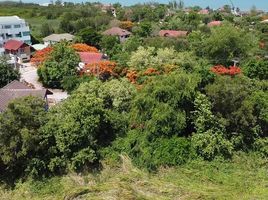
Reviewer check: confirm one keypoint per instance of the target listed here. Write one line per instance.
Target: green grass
(245, 177)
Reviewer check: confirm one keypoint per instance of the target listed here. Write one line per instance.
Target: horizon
(242, 4)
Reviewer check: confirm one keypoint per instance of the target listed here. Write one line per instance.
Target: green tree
(7, 73)
(224, 44)
(85, 123)
(144, 29)
(110, 44)
(238, 109)
(20, 141)
(160, 117)
(256, 68)
(89, 36)
(63, 61)
(46, 30)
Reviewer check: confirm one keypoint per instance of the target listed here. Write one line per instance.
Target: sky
(242, 4)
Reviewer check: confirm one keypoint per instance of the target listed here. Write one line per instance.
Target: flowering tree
(103, 69)
(41, 55)
(126, 25)
(80, 47)
(221, 70)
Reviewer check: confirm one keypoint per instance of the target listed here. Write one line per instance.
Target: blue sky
(243, 4)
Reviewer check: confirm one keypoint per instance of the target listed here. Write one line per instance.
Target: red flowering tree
(132, 76)
(221, 70)
(102, 69)
(80, 47)
(40, 56)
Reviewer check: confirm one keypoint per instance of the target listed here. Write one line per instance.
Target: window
(8, 35)
(18, 35)
(7, 26)
(27, 41)
(17, 26)
(26, 33)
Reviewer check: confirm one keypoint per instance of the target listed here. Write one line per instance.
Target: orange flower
(40, 56)
(80, 47)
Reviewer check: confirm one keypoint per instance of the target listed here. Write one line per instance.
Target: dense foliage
(163, 101)
(8, 72)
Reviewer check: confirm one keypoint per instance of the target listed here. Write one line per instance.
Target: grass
(245, 177)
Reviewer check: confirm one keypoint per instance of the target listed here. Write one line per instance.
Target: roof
(204, 12)
(214, 23)
(7, 20)
(39, 46)
(116, 31)
(58, 37)
(89, 58)
(173, 33)
(264, 21)
(15, 90)
(13, 44)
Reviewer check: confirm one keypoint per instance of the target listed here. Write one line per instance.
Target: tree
(234, 108)
(144, 29)
(80, 47)
(62, 61)
(110, 44)
(7, 73)
(226, 43)
(160, 115)
(87, 122)
(89, 36)
(256, 68)
(46, 30)
(20, 141)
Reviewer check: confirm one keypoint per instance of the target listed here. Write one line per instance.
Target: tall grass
(245, 177)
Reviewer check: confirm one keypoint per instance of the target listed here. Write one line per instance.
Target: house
(116, 31)
(89, 58)
(13, 27)
(214, 23)
(203, 12)
(17, 89)
(108, 7)
(55, 38)
(18, 49)
(173, 33)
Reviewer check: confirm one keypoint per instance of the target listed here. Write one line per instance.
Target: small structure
(38, 47)
(17, 89)
(19, 49)
(173, 33)
(264, 21)
(214, 23)
(55, 38)
(203, 12)
(116, 31)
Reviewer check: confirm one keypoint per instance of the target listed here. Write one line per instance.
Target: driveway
(29, 74)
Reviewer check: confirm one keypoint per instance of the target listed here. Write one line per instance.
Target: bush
(261, 146)
(209, 145)
(21, 146)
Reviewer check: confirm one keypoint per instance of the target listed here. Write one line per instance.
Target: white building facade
(13, 27)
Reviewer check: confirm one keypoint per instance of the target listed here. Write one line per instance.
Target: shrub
(209, 145)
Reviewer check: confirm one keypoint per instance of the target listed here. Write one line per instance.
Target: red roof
(203, 12)
(13, 45)
(214, 23)
(172, 33)
(89, 58)
(116, 31)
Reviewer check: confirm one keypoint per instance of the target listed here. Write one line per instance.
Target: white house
(15, 28)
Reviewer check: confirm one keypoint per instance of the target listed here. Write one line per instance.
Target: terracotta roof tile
(173, 33)
(116, 31)
(89, 58)
(13, 44)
